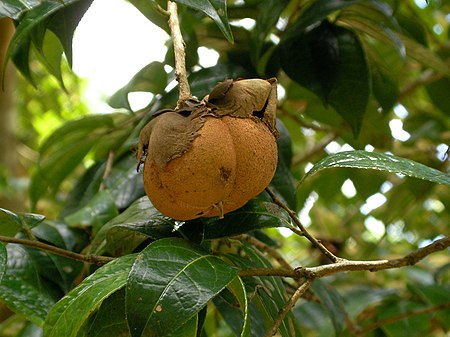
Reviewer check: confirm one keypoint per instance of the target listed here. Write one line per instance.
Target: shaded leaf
(317, 11)
(11, 223)
(332, 301)
(109, 320)
(329, 61)
(130, 228)
(69, 314)
(96, 213)
(260, 212)
(237, 287)
(152, 78)
(164, 272)
(3, 260)
(23, 298)
(216, 10)
(382, 162)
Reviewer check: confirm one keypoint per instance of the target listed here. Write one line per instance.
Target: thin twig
(315, 150)
(351, 265)
(265, 248)
(288, 307)
(180, 54)
(108, 168)
(90, 258)
(298, 223)
(397, 318)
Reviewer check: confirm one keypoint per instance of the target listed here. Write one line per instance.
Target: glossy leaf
(382, 162)
(333, 303)
(164, 272)
(11, 223)
(15, 8)
(3, 259)
(237, 287)
(109, 320)
(130, 228)
(269, 294)
(64, 271)
(96, 213)
(216, 10)
(69, 314)
(258, 213)
(23, 298)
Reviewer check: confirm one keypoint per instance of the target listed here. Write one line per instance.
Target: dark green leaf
(332, 302)
(3, 260)
(152, 78)
(258, 213)
(269, 293)
(110, 319)
(237, 287)
(63, 270)
(312, 59)
(317, 11)
(438, 92)
(25, 299)
(124, 182)
(96, 213)
(382, 162)
(11, 222)
(72, 311)
(126, 231)
(150, 11)
(216, 10)
(64, 22)
(164, 272)
(351, 94)
(265, 22)
(15, 8)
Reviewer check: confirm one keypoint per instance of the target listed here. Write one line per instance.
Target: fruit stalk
(180, 54)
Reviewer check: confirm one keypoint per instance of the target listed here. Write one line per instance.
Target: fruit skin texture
(210, 158)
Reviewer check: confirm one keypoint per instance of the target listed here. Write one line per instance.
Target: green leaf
(152, 78)
(164, 272)
(216, 10)
(15, 8)
(329, 61)
(317, 11)
(65, 150)
(283, 181)
(382, 162)
(11, 223)
(110, 319)
(265, 22)
(97, 212)
(24, 298)
(64, 271)
(72, 311)
(351, 94)
(260, 212)
(3, 260)
(332, 302)
(269, 293)
(438, 92)
(150, 11)
(237, 287)
(126, 231)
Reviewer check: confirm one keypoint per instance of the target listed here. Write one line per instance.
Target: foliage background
(347, 71)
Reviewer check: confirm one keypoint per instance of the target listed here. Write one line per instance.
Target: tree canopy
(351, 236)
